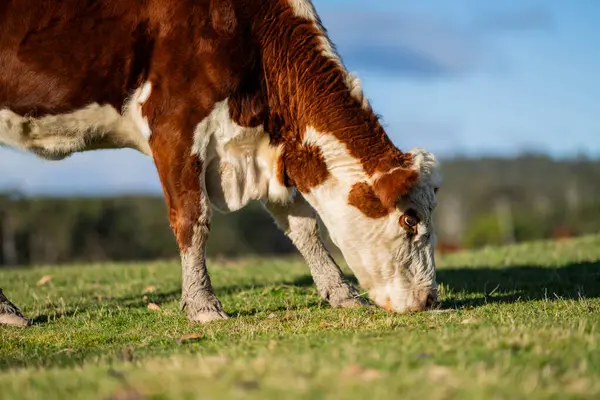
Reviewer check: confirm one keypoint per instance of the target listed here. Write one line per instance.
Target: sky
(460, 77)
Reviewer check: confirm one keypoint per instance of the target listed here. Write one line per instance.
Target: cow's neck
(318, 110)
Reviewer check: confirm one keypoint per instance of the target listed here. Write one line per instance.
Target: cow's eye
(409, 222)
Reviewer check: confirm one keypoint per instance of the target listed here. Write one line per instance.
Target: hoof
(203, 307)
(14, 320)
(10, 313)
(207, 316)
(344, 296)
(353, 302)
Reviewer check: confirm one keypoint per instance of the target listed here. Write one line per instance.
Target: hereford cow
(234, 100)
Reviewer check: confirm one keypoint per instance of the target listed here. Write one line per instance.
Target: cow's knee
(190, 226)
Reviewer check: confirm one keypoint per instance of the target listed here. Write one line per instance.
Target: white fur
(144, 92)
(134, 109)
(11, 129)
(93, 127)
(428, 167)
(241, 165)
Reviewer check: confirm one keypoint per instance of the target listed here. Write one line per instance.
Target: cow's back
(62, 56)
(69, 69)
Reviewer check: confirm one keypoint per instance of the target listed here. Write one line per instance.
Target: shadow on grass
(482, 285)
(50, 317)
(465, 287)
(137, 301)
(514, 284)
(475, 286)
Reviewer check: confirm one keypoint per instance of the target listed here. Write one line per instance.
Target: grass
(518, 322)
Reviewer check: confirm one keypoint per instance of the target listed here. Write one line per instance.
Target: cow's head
(383, 225)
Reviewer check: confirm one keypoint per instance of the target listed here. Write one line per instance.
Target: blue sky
(457, 77)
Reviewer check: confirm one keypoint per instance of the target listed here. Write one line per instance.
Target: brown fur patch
(390, 186)
(223, 18)
(304, 166)
(281, 174)
(178, 171)
(362, 197)
(379, 200)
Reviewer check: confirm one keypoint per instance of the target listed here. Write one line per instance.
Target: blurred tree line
(483, 201)
(500, 201)
(49, 230)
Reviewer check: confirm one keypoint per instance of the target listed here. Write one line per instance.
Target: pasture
(515, 322)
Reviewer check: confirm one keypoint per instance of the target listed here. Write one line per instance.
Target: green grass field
(519, 322)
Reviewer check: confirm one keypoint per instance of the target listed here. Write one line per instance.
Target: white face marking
(93, 127)
(396, 268)
(241, 165)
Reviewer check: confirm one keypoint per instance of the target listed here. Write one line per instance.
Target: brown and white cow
(234, 100)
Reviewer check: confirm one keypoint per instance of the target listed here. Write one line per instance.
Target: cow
(234, 101)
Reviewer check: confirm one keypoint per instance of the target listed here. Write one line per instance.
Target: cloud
(423, 46)
(441, 138)
(414, 47)
(395, 60)
(522, 20)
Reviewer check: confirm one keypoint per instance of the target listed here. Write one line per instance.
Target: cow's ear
(392, 185)
(222, 17)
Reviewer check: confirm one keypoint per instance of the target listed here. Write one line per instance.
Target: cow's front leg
(197, 296)
(182, 177)
(299, 222)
